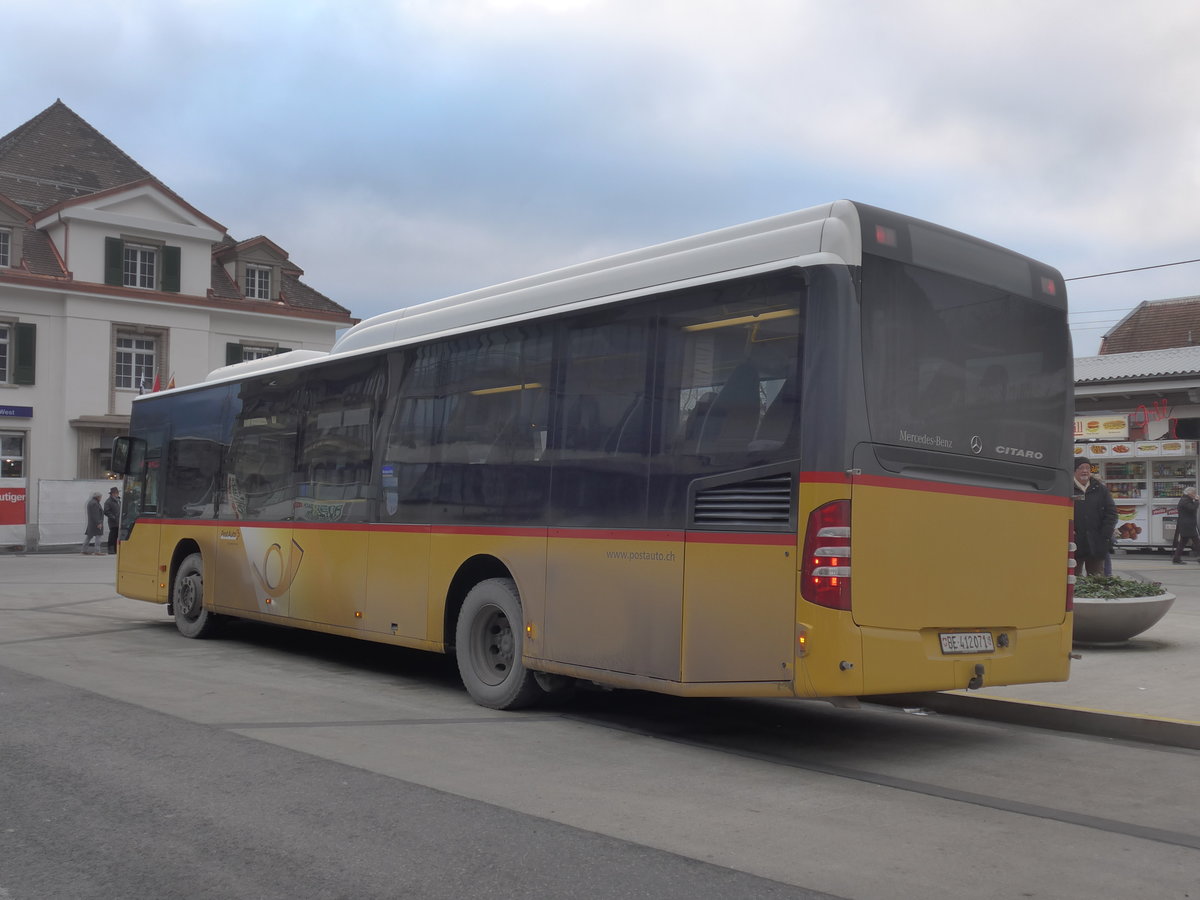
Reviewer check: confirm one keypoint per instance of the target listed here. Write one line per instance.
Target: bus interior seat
(629, 435)
(777, 422)
(732, 418)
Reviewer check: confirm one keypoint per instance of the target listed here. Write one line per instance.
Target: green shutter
(233, 354)
(25, 353)
(170, 276)
(279, 350)
(114, 261)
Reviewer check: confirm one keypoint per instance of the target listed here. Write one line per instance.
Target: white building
(111, 284)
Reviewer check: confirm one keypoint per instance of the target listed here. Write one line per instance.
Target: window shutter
(233, 354)
(171, 265)
(25, 353)
(279, 350)
(114, 261)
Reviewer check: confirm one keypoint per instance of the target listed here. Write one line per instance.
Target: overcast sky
(411, 149)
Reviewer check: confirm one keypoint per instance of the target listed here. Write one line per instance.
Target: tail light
(825, 575)
(1070, 566)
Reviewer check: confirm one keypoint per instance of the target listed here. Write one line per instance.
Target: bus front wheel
(487, 644)
(187, 599)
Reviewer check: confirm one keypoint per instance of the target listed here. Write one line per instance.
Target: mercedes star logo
(976, 444)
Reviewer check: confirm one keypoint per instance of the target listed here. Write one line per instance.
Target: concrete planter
(1103, 621)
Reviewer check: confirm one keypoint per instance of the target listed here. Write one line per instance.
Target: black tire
(192, 618)
(487, 645)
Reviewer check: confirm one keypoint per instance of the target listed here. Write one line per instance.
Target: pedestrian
(1187, 527)
(112, 512)
(1095, 520)
(95, 527)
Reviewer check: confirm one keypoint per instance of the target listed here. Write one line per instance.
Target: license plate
(967, 642)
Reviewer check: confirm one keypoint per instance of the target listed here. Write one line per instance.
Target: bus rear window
(962, 367)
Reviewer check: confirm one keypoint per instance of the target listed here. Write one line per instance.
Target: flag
(157, 384)
(171, 383)
(142, 383)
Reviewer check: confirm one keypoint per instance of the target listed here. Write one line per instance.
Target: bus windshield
(962, 367)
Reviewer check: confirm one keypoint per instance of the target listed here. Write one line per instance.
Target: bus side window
(261, 478)
(335, 451)
(732, 374)
(601, 462)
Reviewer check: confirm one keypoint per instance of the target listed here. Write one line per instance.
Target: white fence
(62, 510)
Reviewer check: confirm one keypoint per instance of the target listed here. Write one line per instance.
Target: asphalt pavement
(1146, 689)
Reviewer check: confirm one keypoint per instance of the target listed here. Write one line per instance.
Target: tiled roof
(1155, 325)
(39, 254)
(298, 294)
(222, 284)
(57, 156)
(1174, 361)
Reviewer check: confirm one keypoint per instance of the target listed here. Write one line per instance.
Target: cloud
(461, 141)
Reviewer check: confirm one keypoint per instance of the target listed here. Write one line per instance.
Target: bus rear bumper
(896, 661)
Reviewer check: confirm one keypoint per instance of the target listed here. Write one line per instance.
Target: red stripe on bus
(583, 534)
(925, 486)
(727, 537)
(492, 530)
(615, 534)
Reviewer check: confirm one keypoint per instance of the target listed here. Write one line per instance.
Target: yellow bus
(825, 455)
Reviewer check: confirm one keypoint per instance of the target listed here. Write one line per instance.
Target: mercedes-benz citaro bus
(824, 455)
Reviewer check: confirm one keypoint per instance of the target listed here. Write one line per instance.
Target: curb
(1077, 720)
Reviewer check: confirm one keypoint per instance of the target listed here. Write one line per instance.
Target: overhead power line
(1182, 262)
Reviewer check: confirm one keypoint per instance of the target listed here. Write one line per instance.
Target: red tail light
(825, 575)
(1070, 566)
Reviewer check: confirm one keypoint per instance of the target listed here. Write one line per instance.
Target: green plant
(1112, 587)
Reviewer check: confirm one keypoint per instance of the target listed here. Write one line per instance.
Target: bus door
(257, 555)
(137, 573)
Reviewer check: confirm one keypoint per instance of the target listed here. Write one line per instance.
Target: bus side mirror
(122, 453)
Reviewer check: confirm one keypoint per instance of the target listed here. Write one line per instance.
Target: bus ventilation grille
(761, 503)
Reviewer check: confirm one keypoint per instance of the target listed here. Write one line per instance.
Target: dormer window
(5, 248)
(258, 283)
(141, 266)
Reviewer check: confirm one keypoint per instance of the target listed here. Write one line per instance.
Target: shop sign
(1127, 449)
(1109, 427)
(12, 506)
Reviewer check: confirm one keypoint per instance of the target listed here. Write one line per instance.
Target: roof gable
(147, 204)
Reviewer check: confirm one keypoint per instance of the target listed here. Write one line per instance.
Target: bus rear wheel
(487, 645)
(187, 599)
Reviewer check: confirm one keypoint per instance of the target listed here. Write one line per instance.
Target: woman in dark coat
(1095, 520)
(1187, 531)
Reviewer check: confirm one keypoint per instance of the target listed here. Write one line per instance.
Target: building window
(258, 283)
(5, 248)
(18, 350)
(12, 455)
(237, 352)
(136, 362)
(141, 264)
(250, 352)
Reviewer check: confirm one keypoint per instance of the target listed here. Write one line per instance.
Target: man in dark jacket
(1186, 530)
(1095, 520)
(112, 512)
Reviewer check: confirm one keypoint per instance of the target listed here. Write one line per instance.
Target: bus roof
(830, 229)
(827, 233)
